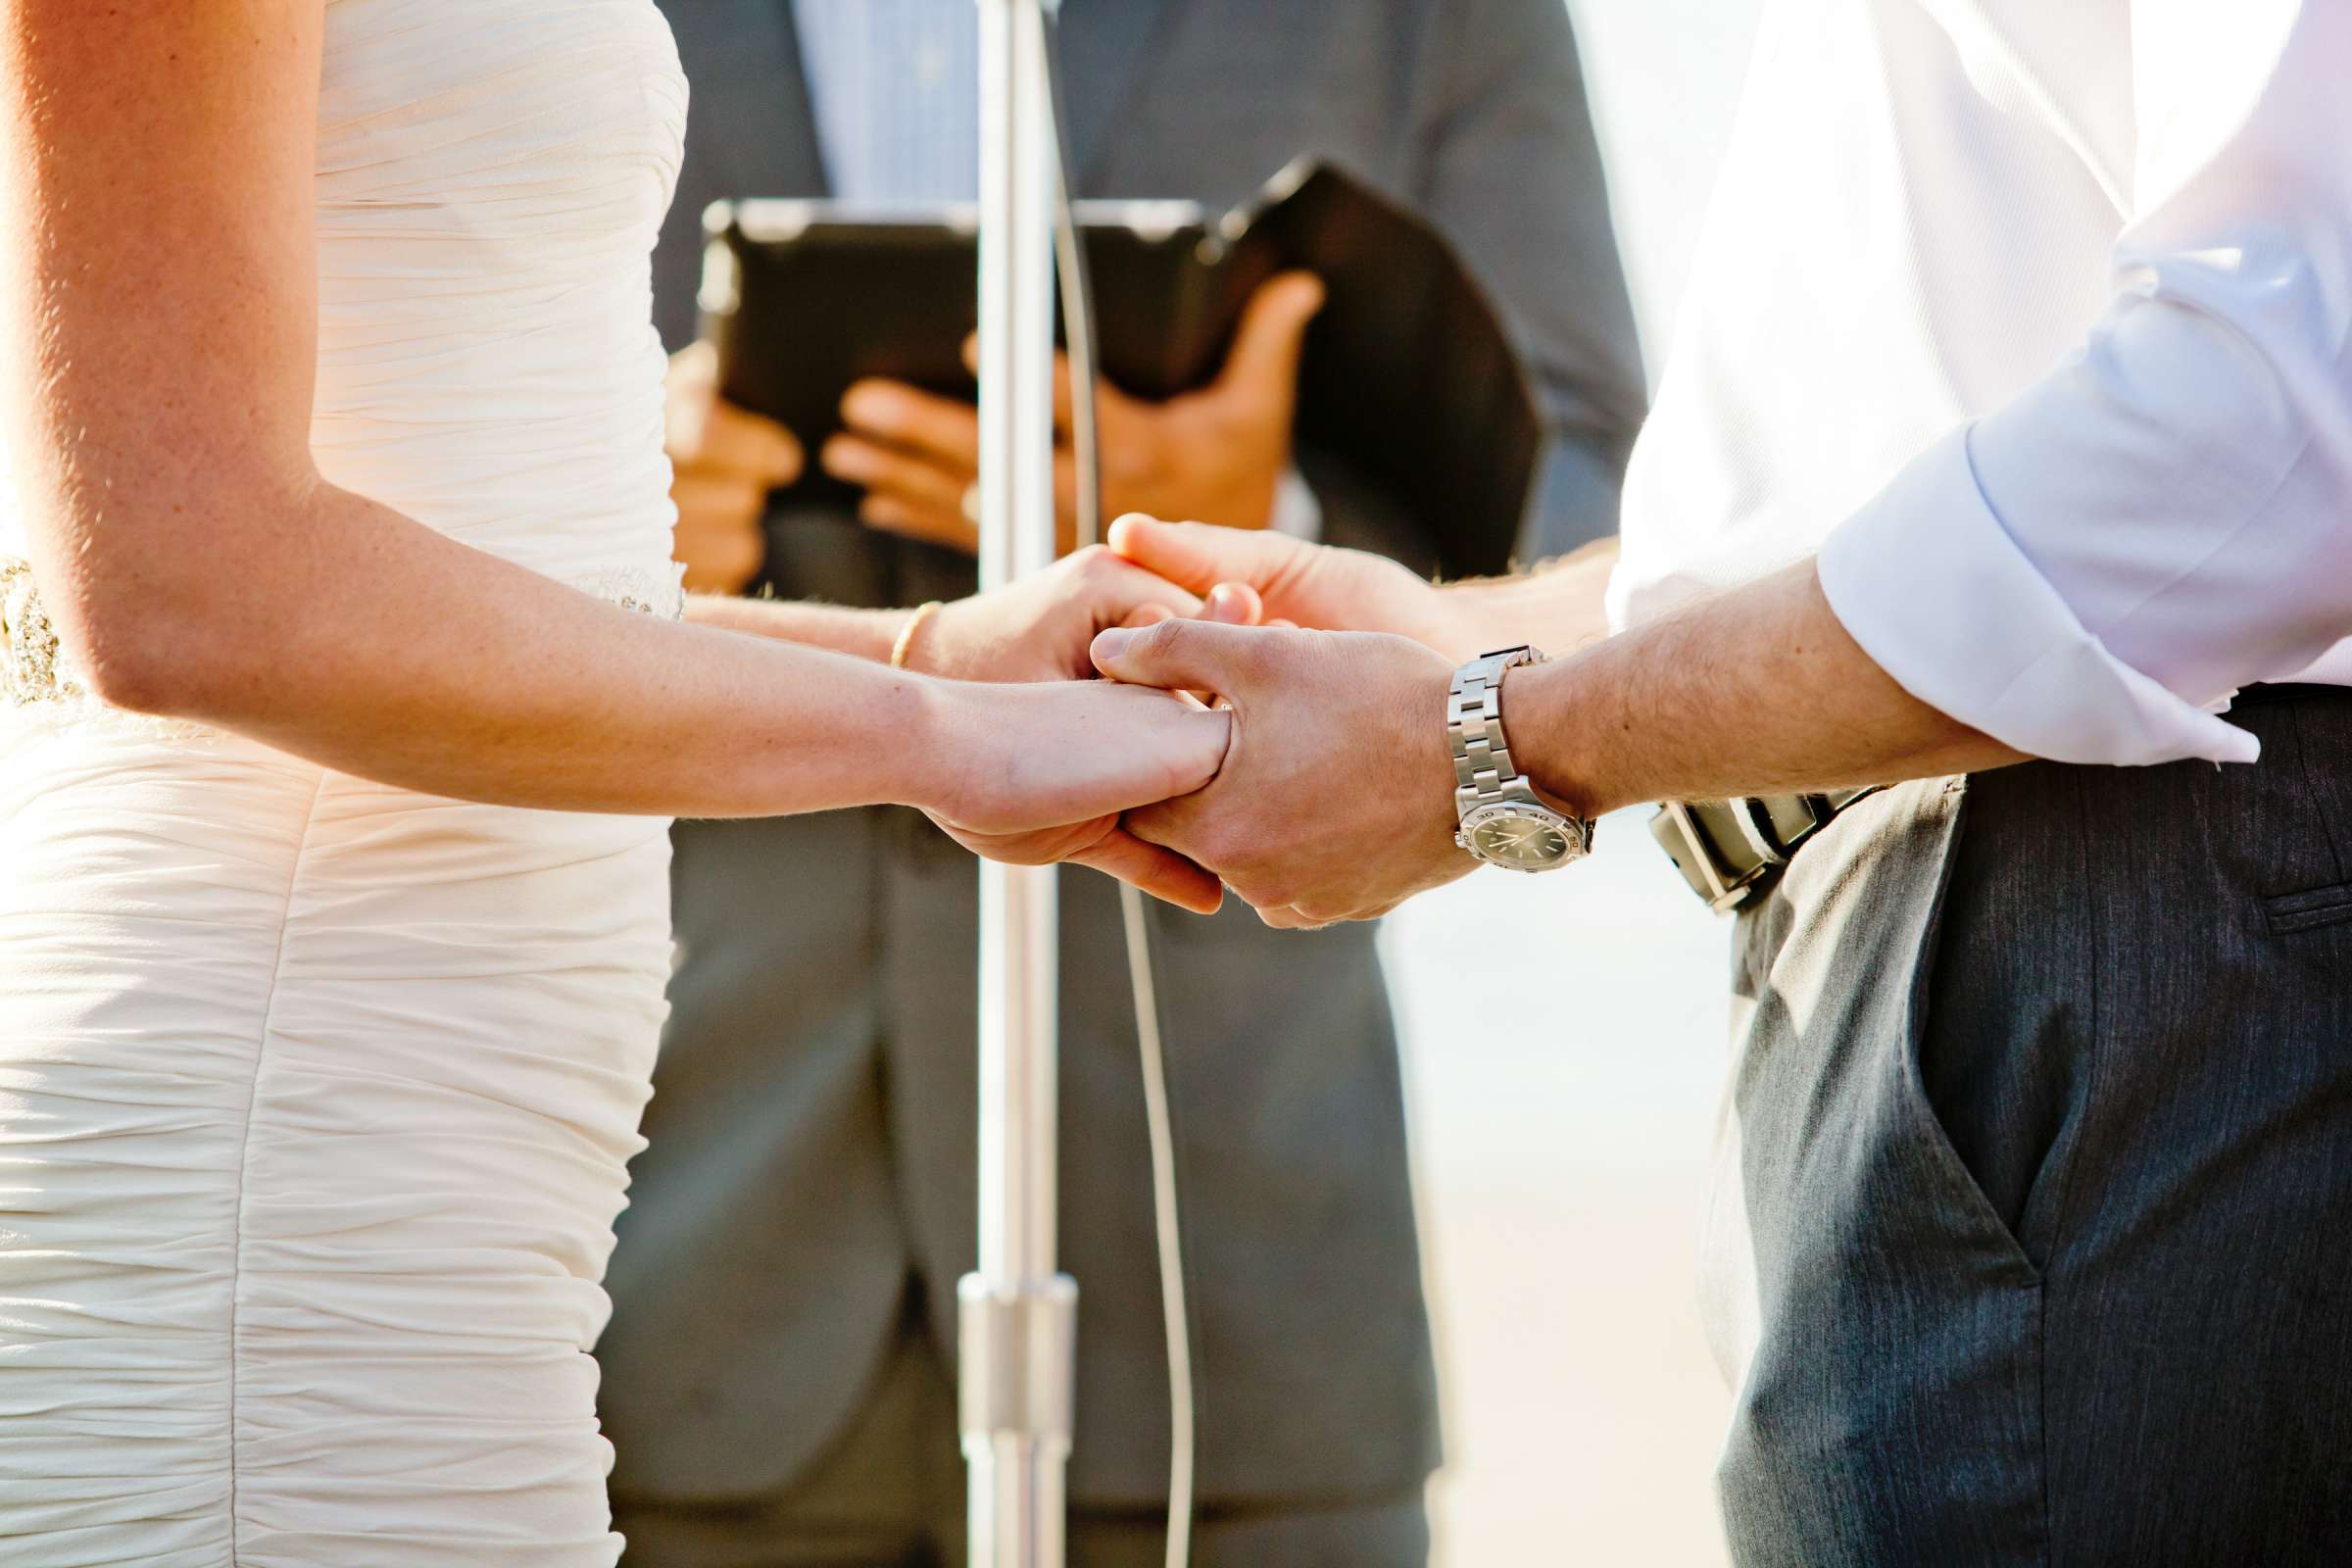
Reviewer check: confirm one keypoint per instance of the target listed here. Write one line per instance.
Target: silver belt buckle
(1768, 840)
(1694, 854)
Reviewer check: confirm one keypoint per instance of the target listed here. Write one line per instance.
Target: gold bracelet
(906, 633)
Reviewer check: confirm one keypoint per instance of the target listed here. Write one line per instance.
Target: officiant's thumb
(1183, 655)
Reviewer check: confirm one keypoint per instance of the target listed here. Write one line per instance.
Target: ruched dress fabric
(317, 1095)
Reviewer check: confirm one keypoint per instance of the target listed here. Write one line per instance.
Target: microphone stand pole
(1016, 1315)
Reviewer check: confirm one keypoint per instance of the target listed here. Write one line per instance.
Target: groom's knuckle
(1169, 641)
(1266, 889)
(1257, 655)
(1262, 659)
(1203, 842)
(1171, 822)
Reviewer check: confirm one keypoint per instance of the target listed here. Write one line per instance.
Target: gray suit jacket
(811, 1130)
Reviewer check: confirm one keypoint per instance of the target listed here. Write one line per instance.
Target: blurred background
(1560, 1147)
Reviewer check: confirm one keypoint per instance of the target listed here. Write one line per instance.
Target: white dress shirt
(2030, 317)
(895, 87)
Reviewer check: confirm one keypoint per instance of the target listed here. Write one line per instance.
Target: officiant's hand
(1336, 798)
(1218, 453)
(1042, 627)
(724, 461)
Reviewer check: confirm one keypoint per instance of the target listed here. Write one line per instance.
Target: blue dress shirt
(896, 87)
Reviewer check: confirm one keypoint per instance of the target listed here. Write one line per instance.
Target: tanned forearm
(352, 636)
(1558, 607)
(1756, 691)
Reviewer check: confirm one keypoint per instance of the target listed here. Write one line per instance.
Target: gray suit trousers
(812, 1161)
(2045, 1104)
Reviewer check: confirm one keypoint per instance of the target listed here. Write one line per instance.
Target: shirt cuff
(1297, 511)
(1930, 584)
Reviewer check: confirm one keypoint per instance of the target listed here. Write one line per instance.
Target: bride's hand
(1042, 627)
(1032, 774)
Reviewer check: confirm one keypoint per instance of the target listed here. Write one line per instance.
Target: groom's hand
(1041, 627)
(1336, 798)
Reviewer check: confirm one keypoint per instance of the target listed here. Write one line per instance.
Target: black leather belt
(1731, 852)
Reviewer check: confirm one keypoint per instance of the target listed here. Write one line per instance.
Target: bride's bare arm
(160, 282)
(1039, 629)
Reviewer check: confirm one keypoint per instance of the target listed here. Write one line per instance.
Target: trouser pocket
(1889, 1413)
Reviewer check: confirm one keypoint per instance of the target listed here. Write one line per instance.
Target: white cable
(1078, 313)
(1172, 1305)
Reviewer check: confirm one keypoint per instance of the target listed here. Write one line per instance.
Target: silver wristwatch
(1503, 823)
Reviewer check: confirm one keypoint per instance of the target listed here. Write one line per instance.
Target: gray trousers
(2044, 1158)
(890, 1493)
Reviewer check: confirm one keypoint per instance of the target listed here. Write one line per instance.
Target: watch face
(1522, 839)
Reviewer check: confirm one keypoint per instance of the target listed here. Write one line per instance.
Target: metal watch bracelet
(1483, 771)
(1503, 823)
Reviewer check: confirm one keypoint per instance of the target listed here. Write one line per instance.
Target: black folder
(1409, 373)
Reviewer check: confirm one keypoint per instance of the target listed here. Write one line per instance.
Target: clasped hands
(1333, 800)
(1322, 790)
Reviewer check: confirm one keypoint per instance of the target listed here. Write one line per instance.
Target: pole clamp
(1018, 1345)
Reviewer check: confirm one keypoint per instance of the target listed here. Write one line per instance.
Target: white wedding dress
(316, 1096)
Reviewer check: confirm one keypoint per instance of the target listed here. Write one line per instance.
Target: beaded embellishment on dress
(28, 651)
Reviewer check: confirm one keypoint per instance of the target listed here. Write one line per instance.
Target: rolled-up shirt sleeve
(2088, 573)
